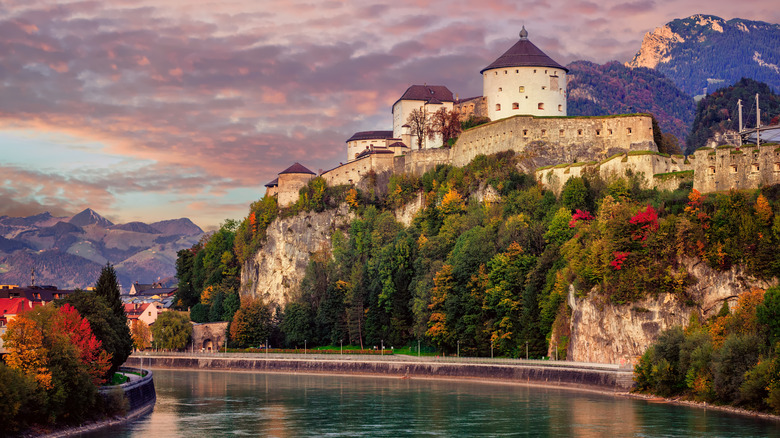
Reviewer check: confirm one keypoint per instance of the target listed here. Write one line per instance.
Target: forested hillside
(474, 271)
(718, 113)
(612, 88)
(703, 51)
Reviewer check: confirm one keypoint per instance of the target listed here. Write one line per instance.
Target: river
(207, 403)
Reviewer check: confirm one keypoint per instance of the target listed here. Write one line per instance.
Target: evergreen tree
(107, 288)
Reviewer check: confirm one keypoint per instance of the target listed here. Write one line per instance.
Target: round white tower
(524, 80)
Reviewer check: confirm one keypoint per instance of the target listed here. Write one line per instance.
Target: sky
(152, 110)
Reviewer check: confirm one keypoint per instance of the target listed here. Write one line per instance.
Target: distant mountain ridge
(707, 52)
(69, 251)
(612, 88)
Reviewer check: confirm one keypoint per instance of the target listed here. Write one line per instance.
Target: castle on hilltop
(524, 96)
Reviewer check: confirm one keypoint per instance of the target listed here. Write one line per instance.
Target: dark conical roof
(297, 168)
(523, 54)
(274, 183)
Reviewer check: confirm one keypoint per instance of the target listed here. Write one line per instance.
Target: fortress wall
(418, 162)
(554, 140)
(289, 186)
(727, 168)
(645, 164)
(354, 171)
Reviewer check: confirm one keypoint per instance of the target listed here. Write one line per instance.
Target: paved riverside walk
(603, 377)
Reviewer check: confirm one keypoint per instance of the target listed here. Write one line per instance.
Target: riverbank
(139, 394)
(600, 377)
(704, 405)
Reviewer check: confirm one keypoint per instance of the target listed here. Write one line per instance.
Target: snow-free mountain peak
(90, 217)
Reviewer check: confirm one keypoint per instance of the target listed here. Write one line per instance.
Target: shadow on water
(196, 404)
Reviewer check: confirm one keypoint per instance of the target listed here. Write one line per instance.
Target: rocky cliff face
(702, 53)
(605, 333)
(275, 272)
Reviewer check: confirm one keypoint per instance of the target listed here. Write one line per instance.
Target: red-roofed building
(10, 308)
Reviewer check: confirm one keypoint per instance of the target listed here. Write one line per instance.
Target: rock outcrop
(276, 270)
(606, 333)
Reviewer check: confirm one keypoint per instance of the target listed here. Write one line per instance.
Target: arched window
(541, 105)
(560, 108)
(515, 105)
(522, 89)
(498, 107)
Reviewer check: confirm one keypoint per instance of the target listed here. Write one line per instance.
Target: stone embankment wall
(580, 376)
(553, 140)
(608, 333)
(652, 168)
(140, 394)
(276, 270)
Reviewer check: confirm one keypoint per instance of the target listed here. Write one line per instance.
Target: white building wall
(512, 91)
(357, 146)
(401, 111)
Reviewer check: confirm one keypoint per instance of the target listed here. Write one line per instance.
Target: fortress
(524, 96)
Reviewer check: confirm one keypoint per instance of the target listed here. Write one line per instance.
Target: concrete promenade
(601, 377)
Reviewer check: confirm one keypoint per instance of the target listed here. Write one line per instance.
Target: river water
(207, 403)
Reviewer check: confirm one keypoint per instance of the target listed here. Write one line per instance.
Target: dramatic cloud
(189, 107)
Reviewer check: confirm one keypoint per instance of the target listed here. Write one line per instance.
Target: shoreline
(483, 379)
(705, 406)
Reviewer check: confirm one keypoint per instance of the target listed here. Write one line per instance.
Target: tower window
(562, 133)
(500, 88)
(777, 167)
(734, 169)
(517, 71)
(534, 70)
(505, 72)
(712, 170)
(525, 133)
(543, 87)
(598, 132)
(540, 106)
(515, 105)
(498, 107)
(560, 108)
(579, 132)
(755, 168)
(544, 133)
(522, 89)
(628, 131)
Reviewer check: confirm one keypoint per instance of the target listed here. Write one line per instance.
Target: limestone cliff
(276, 270)
(607, 333)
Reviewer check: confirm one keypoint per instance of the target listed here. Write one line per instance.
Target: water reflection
(196, 404)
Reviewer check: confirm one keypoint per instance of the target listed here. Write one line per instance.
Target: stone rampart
(652, 168)
(289, 186)
(418, 162)
(543, 141)
(582, 376)
(728, 167)
(354, 171)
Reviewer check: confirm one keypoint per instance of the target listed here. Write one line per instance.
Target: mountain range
(702, 53)
(70, 251)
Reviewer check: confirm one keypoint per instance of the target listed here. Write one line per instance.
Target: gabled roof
(375, 151)
(297, 168)
(371, 135)
(523, 54)
(429, 93)
(398, 144)
(274, 183)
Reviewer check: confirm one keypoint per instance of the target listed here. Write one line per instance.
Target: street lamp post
(418, 348)
(341, 347)
(526, 350)
(382, 353)
(304, 346)
(458, 348)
